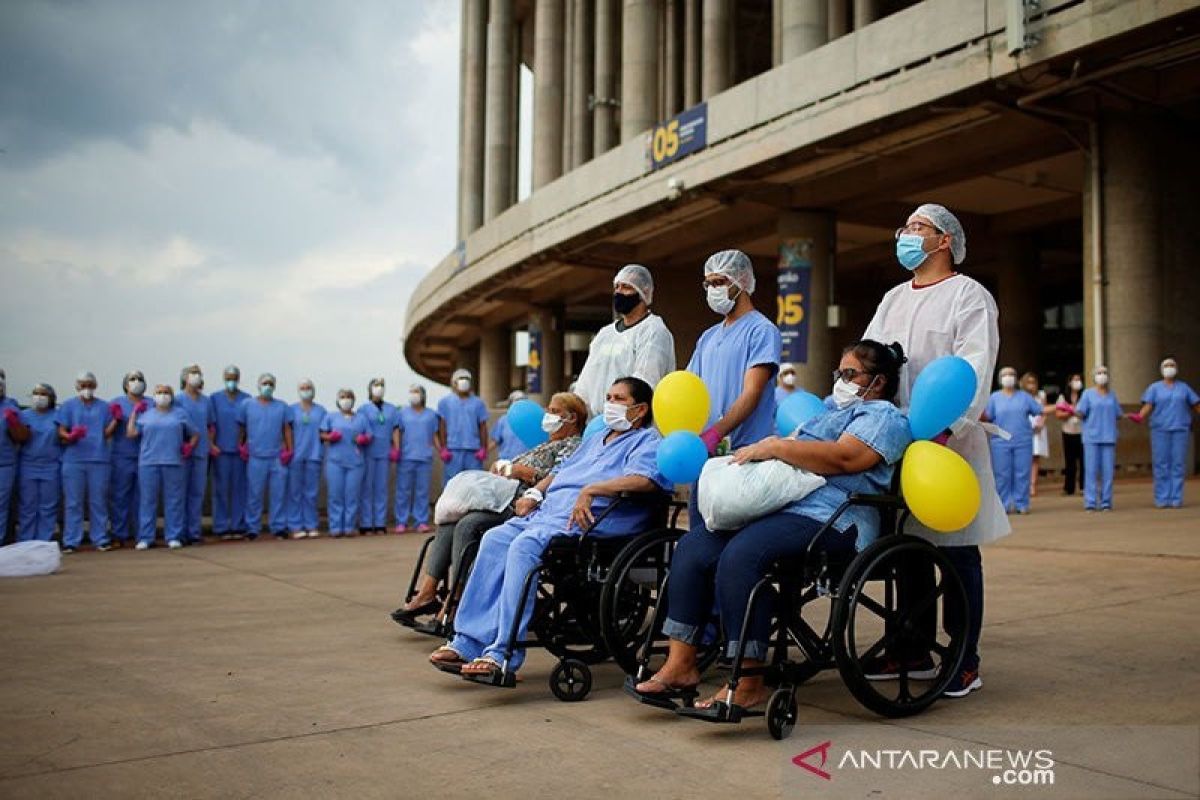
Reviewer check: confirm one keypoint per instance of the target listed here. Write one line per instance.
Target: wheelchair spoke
(873, 605)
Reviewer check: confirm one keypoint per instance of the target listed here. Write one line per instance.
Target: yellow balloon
(680, 403)
(939, 486)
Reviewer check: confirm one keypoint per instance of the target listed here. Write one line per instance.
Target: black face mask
(624, 303)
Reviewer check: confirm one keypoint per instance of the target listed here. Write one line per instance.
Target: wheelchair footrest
(665, 700)
(497, 677)
(719, 711)
(434, 627)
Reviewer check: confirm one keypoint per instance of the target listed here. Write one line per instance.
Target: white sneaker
(299, 534)
(142, 546)
(312, 534)
(174, 544)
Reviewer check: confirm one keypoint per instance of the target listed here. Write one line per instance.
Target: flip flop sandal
(408, 617)
(452, 665)
(664, 699)
(490, 673)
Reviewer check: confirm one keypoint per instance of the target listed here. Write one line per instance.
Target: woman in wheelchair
(854, 446)
(571, 500)
(565, 418)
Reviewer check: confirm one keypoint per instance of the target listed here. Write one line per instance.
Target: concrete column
(839, 18)
(865, 12)
(583, 59)
(495, 364)
(717, 71)
(639, 67)
(692, 61)
(500, 178)
(550, 322)
(1017, 294)
(811, 237)
(672, 58)
(608, 55)
(776, 32)
(568, 105)
(547, 92)
(472, 130)
(803, 26)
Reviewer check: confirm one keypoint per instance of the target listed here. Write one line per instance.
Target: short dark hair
(642, 393)
(881, 359)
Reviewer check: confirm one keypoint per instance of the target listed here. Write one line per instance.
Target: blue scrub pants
(39, 506)
(195, 480)
(265, 475)
(1098, 463)
(1168, 451)
(82, 480)
(343, 487)
(304, 481)
(167, 480)
(489, 602)
(373, 503)
(229, 493)
(725, 566)
(123, 502)
(1012, 465)
(8, 479)
(460, 461)
(412, 491)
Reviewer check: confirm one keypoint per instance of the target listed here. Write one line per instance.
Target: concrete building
(1062, 133)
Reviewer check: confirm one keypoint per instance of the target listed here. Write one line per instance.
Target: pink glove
(1135, 417)
(285, 457)
(711, 438)
(117, 412)
(363, 439)
(446, 455)
(214, 451)
(141, 406)
(77, 433)
(244, 451)
(942, 438)
(11, 417)
(1067, 407)
(394, 455)
(187, 449)
(335, 437)
(481, 454)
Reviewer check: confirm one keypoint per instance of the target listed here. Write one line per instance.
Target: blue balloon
(525, 419)
(595, 426)
(681, 457)
(941, 394)
(799, 407)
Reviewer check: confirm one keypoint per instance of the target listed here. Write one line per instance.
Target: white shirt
(645, 350)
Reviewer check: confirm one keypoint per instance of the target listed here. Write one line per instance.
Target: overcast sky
(259, 183)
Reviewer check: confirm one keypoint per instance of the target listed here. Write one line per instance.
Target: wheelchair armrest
(876, 500)
(651, 498)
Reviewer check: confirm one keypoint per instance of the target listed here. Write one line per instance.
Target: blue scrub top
(41, 456)
(381, 420)
(305, 424)
(264, 426)
(419, 428)
(879, 425)
(202, 413)
(344, 453)
(226, 410)
(92, 448)
(122, 445)
(462, 415)
(1012, 414)
(723, 356)
(1100, 414)
(163, 434)
(508, 444)
(8, 448)
(1172, 405)
(634, 452)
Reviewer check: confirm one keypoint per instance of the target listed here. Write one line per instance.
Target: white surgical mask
(719, 300)
(345, 403)
(1008, 381)
(614, 417)
(1169, 372)
(551, 422)
(87, 394)
(306, 394)
(845, 393)
(414, 398)
(463, 384)
(137, 388)
(41, 402)
(1101, 379)
(789, 380)
(195, 380)
(1077, 386)
(162, 399)
(377, 392)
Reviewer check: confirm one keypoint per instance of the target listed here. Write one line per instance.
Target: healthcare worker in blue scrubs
(304, 474)
(8, 453)
(1099, 409)
(418, 430)
(345, 434)
(508, 444)
(1169, 404)
(785, 384)
(462, 428)
(266, 426)
(1012, 459)
(85, 424)
(168, 438)
(199, 408)
(383, 451)
(228, 468)
(122, 481)
(40, 467)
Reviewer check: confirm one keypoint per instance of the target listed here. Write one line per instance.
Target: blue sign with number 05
(684, 134)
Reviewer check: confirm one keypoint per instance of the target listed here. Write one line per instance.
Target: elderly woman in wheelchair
(854, 446)
(580, 495)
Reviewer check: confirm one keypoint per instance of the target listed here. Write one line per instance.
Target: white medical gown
(646, 351)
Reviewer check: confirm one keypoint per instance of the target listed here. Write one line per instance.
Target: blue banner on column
(795, 278)
(533, 373)
(680, 136)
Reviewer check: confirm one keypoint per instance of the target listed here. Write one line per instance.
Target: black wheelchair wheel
(782, 712)
(565, 623)
(571, 680)
(901, 600)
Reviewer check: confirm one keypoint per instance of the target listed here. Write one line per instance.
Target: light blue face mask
(910, 251)
(266, 390)
(231, 386)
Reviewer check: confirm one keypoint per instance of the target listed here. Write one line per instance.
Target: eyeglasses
(918, 228)
(848, 374)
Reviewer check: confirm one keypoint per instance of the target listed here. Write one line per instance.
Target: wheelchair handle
(638, 498)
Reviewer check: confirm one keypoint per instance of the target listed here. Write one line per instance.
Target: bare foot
(665, 681)
(748, 695)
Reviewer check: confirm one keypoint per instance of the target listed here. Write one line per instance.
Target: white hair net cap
(945, 222)
(515, 395)
(266, 377)
(461, 372)
(639, 278)
(85, 376)
(786, 367)
(733, 264)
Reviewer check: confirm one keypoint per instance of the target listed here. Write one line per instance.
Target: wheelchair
(884, 601)
(441, 624)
